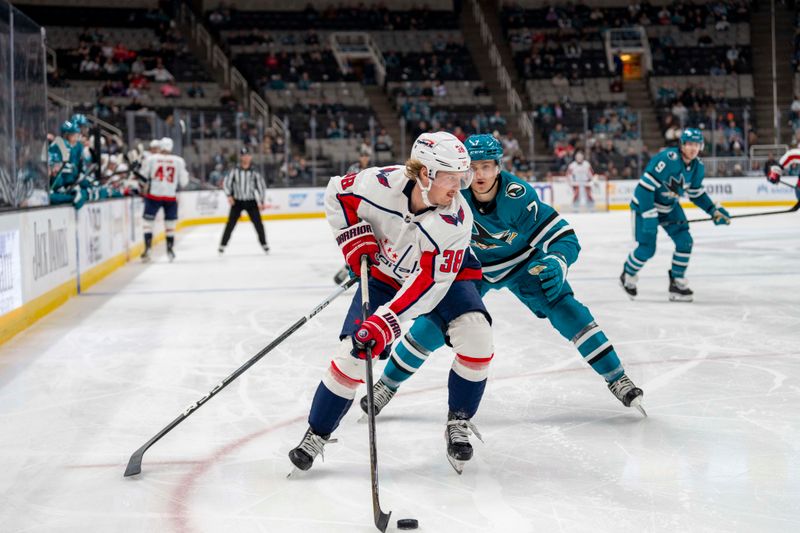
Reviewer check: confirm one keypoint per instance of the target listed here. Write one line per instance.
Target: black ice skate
(340, 277)
(221, 250)
(302, 457)
(628, 284)
(170, 255)
(679, 290)
(265, 247)
(629, 394)
(381, 395)
(456, 434)
(145, 257)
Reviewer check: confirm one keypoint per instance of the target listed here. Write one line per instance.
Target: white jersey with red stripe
(421, 254)
(164, 172)
(580, 172)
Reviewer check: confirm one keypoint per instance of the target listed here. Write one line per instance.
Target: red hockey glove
(774, 174)
(355, 241)
(377, 332)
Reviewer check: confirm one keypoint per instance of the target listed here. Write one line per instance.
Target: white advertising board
(213, 204)
(719, 189)
(101, 232)
(48, 249)
(10, 264)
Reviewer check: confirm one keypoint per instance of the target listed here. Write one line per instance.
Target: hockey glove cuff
(376, 332)
(552, 272)
(355, 241)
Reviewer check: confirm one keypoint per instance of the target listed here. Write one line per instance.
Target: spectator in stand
(383, 142)
(558, 135)
(195, 91)
(170, 90)
(159, 73)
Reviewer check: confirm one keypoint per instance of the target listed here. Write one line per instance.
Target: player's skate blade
(302, 456)
(456, 435)
(626, 392)
(637, 403)
(628, 284)
(679, 290)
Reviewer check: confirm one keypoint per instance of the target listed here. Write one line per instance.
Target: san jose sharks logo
(383, 175)
(486, 240)
(456, 219)
(675, 186)
(515, 190)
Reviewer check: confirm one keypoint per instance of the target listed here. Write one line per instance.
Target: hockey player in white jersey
(789, 159)
(163, 171)
(581, 176)
(414, 226)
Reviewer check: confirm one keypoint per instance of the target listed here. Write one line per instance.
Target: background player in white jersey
(581, 176)
(413, 224)
(163, 171)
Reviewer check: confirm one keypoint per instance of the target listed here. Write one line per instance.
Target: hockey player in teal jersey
(65, 164)
(655, 203)
(525, 246)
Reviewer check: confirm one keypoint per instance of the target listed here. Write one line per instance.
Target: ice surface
(87, 385)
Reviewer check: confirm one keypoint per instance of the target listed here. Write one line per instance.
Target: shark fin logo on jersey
(383, 176)
(486, 240)
(675, 186)
(456, 219)
(672, 155)
(515, 190)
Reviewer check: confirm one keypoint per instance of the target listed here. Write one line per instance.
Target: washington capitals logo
(426, 142)
(383, 176)
(454, 219)
(486, 240)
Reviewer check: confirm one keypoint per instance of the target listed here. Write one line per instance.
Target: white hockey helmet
(155, 144)
(166, 144)
(442, 151)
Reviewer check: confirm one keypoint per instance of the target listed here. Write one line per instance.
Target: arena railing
(512, 96)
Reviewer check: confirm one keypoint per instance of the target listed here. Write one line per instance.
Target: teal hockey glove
(552, 271)
(721, 216)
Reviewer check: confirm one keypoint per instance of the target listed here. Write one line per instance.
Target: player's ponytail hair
(413, 169)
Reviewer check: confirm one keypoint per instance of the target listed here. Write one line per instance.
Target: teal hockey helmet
(692, 135)
(484, 147)
(68, 127)
(79, 119)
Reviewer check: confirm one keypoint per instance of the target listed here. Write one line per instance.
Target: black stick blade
(135, 463)
(382, 520)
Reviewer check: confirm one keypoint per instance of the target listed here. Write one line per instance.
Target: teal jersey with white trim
(515, 228)
(665, 180)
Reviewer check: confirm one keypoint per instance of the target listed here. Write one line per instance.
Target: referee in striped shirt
(246, 191)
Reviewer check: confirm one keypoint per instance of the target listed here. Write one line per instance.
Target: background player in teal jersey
(656, 203)
(524, 245)
(64, 160)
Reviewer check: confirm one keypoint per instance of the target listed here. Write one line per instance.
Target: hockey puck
(407, 523)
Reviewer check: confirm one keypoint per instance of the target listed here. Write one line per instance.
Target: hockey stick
(135, 462)
(792, 209)
(381, 518)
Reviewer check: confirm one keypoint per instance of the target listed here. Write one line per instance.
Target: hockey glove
(721, 216)
(376, 332)
(552, 271)
(774, 174)
(355, 241)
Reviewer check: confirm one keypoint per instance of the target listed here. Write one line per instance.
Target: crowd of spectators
(723, 121)
(339, 17)
(687, 16)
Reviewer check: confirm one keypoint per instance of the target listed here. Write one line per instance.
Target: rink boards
(50, 254)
